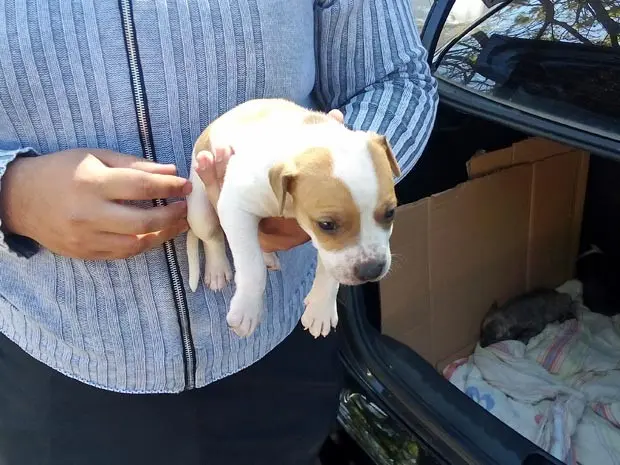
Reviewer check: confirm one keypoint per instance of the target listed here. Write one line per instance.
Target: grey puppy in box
(525, 316)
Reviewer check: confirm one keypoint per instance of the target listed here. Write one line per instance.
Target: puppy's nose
(367, 271)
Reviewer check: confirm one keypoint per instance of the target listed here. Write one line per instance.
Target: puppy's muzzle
(369, 270)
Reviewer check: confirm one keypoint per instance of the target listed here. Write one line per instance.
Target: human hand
(74, 203)
(274, 233)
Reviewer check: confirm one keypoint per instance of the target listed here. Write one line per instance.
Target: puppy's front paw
(217, 272)
(272, 262)
(320, 315)
(245, 313)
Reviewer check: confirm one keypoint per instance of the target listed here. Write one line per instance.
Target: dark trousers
(277, 411)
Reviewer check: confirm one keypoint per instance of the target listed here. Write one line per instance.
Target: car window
(462, 15)
(556, 58)
(420, 9)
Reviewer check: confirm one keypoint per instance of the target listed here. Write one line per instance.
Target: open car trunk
(509, 214)
(513, 227)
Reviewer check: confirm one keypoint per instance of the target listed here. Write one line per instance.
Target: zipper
(146, 139)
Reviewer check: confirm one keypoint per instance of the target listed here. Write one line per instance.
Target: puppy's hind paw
(217, 274)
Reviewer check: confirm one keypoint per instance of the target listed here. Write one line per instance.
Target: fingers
(205, 167)
(279, 226)
(280, 234)
(133, 184)
(118, 246)
(127, 219)
(271, 243)
(211, 168)
(337, 115)
(221, 157)
(117, 160)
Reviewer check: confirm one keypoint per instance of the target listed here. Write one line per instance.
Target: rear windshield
(559, 59)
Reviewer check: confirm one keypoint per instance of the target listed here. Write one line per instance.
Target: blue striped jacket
(65, 82)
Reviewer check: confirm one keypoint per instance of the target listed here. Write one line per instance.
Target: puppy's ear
(385, 145)
(281, 177)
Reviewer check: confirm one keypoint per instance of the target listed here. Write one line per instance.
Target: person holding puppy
(104, 356)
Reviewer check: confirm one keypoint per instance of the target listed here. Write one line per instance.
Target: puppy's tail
(193, 260)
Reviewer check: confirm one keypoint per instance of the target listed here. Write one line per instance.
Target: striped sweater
(65, 82)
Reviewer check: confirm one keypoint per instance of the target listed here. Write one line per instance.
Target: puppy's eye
(389, 214)
(327, 226)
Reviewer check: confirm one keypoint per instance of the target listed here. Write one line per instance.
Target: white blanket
(561, 391)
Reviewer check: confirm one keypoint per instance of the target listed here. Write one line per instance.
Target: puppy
(295, 163)
(525, 316)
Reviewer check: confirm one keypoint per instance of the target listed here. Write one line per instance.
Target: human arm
(371, 65)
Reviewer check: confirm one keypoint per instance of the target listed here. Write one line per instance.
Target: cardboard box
(513, 226)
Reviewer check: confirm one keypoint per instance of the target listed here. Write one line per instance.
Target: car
(509, 70)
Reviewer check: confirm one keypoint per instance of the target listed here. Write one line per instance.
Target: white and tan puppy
(292, 162)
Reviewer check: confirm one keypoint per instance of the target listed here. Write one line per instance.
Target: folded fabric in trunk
(561, 390)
